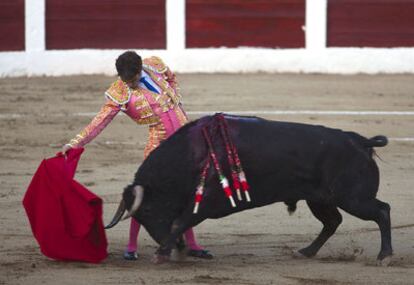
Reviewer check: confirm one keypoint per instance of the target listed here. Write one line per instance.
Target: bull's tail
(377, 141)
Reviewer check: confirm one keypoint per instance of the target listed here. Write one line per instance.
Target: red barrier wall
(105, 24)
(12, 28)
(370, 23)
(252, 23)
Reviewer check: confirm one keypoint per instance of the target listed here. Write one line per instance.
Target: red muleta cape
(66, 218)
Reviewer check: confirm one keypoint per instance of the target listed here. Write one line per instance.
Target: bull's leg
(164, 251)
(379, 212)
(330, 218)
(180, 243)
(179, 226)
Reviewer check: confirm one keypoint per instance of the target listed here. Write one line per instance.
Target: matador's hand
(65, 149)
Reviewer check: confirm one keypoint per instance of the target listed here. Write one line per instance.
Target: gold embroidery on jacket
(154, 64)
(119, 93)
(157, 70)
(157, 134)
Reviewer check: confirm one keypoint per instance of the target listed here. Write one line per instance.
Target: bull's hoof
(303, 253)
(159, 259)
(386, 261)
(384, 257)
(297, 254)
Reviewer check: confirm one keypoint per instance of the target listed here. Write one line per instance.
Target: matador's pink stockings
(134, 231)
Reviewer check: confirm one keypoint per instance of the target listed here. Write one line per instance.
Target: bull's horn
(138, 192)
(118, 215)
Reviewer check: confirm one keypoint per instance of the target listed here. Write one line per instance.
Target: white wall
(315, 58)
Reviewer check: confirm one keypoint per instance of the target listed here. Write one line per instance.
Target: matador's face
(133, 82)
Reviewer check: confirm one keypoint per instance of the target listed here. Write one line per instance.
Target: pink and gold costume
(162, 112)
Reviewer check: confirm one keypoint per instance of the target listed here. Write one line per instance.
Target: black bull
(283, 162)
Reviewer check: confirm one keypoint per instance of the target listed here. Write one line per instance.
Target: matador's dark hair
(128, 65)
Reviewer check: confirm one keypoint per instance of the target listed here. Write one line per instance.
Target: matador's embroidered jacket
(162, 112)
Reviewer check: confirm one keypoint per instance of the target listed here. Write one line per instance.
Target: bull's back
(283, 154)
(289, 161)
(286, 142)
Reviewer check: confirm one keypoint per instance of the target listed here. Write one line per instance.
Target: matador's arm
(98, 123)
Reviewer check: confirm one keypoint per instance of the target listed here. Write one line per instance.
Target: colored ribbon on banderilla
(200, 187)
(223, 180)
(237, 172)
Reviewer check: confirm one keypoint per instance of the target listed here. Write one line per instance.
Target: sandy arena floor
(38, 115)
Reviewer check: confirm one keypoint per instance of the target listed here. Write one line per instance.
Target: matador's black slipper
(200, 253)
(131, 255)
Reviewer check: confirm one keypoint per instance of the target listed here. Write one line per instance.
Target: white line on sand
(252, 112)
(136, 143)
(248, 112)
(311, 112)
